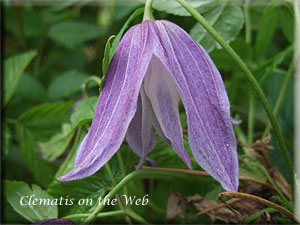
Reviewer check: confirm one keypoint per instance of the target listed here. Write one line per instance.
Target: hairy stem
(255, 85)
(148, 11)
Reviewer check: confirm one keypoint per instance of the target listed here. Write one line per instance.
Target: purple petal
(201, 88)
(56, 221)
(140, 136)
(162, 92)
(117, 103)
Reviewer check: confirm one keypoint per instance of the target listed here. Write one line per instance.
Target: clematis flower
(156, 64)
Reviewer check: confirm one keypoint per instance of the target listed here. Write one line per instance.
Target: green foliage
(15, 190)
(30, 88)
(84, 111)
(227, 18)
(58, 143)
(37, 125)
(266, 28)
(47, 114)
(14, 68)
(173, 7)
(89, 188)
(66, 85)
(72, 34)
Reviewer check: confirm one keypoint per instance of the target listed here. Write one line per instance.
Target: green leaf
(7, 139)
(173, 7)
(227, 18)
(117, 39)
(68, 163)
(14, 191)
(72, 34)
(89, 188)
(287, 22)
(66, 85)
(278, 59)
(85, 111)
(266, 28)
(107, 55)
(58, 143)
(38, 125)
(30, 88)
(14, 67)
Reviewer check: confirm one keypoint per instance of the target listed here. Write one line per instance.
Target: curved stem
(255, 85)
(259, 200)
(130, 213)
(92, 78)
(148, 11)
(137, 174)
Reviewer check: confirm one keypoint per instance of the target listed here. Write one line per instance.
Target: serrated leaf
(58, 143)
(85, 111)
(66, 84)
(72, 34)
(14, 68)
(267, 27)
(173, 7)
(227, 18)
(37, 125)
(107, 55)
(89, 188)
(31, 88)
(15, 190)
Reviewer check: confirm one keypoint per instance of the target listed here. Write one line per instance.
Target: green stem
(130, 213)
(137, 174)
(247, 21)
(252, 81)
(110, 174)
(257, 214)
(251, 118)
(91, 78)
(283, 198)
(148, 11)
(122, 167)
(281, 95)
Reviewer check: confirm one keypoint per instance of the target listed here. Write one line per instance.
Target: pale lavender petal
(162, 92)
(117, 103)
(203, 94)
(235, 121)
(140, 135)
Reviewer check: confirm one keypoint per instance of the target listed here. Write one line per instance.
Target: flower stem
(122, 167)
(247, 21)
(255, 85)
(130, 213)
(251, 118)
(148, 11)
(137, 174)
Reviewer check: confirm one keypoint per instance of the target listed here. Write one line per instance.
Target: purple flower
(56, 221)
(156, 64)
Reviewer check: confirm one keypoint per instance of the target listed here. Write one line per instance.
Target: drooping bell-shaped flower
(156, 64)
